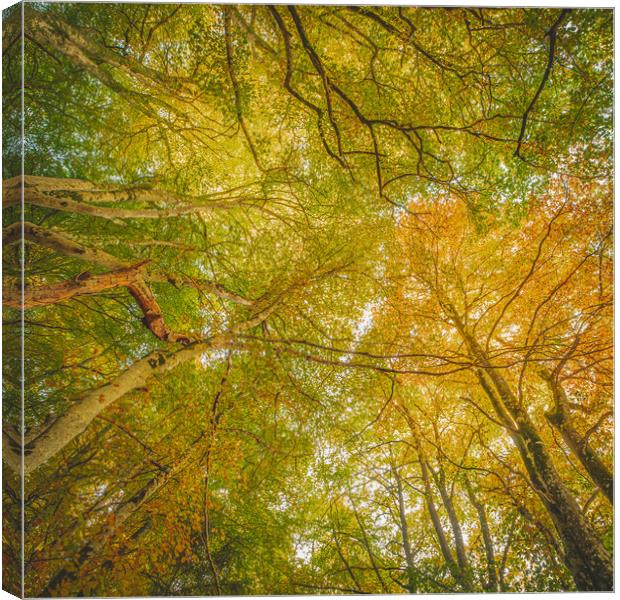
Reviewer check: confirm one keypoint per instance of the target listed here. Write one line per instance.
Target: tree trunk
(561, 420)
(77, 418)
(412, 584)
(432, 510)
(86, 284)
(81, 285)
(367, 546)
(12, 197)
(60, 243)
(461, 555)
(492, 583)
(153, 317)
(138, 288)
(345, 562)
(584, 555)
(63, 244)
(176, 96)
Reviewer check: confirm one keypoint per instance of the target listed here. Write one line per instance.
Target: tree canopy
(310, 299)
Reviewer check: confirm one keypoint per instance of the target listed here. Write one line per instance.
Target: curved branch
(552, 33)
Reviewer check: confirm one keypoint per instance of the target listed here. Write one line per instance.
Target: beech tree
(310, 299)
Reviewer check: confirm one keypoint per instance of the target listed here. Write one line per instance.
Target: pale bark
(45, 444)
(87, 284)
(130, 507)
(138, 288)
(457, 533)
(92, 193)
(437, 526)
(404, 530)
(201, 284)
(151, 91)
(79, 416)
(61, 243)
(67, 203)
(492, 584)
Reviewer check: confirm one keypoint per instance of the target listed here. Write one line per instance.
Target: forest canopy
(310, 299)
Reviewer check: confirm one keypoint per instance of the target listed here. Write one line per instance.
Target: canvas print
(306, 299)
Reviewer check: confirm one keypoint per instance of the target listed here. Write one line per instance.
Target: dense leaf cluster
(317, 299)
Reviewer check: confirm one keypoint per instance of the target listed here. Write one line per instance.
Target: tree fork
(584, 554)
(577, 444)
(140, 291)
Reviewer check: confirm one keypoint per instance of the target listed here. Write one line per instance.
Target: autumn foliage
(310, 299)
